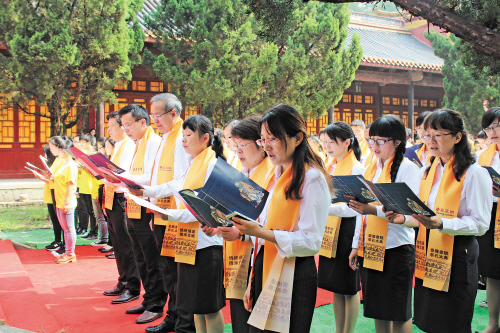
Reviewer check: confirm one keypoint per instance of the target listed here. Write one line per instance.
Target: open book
(45, 165)
(495, 177)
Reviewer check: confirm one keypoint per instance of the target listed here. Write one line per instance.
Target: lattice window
(415, 102)
(106, 112)
(368, 99)
(368, 116)
(6, 127)
(396, 101)
(311, 125)
(44, 125)
(405, 101)
(26, 124)
(432, 104)
(386, 100)
(121, 85)
(323, 121)
(385, 112)
(346, 116)
(358, 114)
(358, 99)
(141, 102)
(139, 85)
(156, 86)
(396, 113)
(336, 114)
(346, 98)
(423, 103)
(122, 102)
(190, 111)
(404, 118)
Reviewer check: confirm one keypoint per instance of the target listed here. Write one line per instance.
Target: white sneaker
(484, 304)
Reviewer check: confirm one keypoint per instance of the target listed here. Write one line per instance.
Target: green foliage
(463, 92)
(216, 54)
(65, 53)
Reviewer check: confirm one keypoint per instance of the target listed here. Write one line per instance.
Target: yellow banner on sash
(169, 239)
(485, 160)
(376, 228)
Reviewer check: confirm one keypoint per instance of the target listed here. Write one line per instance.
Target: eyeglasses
(155, 117)
(380, 142)
(270, 142)
(241, 146)
(436, 137)
(127, 125)
(492, 128)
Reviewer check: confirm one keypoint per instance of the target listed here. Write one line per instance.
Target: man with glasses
(170, 163)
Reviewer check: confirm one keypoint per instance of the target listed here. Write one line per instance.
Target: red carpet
(38, 295)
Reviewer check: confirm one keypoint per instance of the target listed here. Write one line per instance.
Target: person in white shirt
(387, 284)
(459, 191)
(292, 223)
(334, 272)
(230, 153)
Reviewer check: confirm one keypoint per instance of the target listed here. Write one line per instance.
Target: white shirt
(476, 200)
(185, 216)
(342, 209)
(313, 213)
(125, 160)
(149, 158)
(495, 164)
(423, 159)
(180, 165)
(397, 234)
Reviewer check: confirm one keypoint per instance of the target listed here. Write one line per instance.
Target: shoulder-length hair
(342, 131)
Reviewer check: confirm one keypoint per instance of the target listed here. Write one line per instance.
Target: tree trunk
(55, 119)
(482, 38)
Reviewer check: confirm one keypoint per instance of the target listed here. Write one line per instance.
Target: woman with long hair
(389, 252)
(290, 228)
(334, 272)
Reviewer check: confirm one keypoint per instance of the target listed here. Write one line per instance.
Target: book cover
(102, 161)
(495, 177)
(351, 188)
(44, 162)
(412, 156)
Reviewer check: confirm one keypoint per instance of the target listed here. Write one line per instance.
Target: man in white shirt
(135, 122)
(129, 282)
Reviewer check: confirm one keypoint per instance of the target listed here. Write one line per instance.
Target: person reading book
(290, 227)
(200, 273)
(489, 245)
(387, 248)
(334, 272)
(459, 191)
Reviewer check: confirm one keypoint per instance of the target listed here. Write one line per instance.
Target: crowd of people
(267, 267)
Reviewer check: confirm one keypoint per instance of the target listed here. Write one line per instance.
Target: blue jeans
(67, 222)
(101, 221)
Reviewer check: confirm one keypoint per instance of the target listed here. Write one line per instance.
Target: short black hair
(115, 115)
(490, 116)
(138, 112)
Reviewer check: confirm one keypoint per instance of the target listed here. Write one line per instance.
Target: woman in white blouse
(294, 218)
(444, 297)
(387, 284)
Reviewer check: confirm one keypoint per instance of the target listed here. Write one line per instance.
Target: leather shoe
(127, 296)
(136, 309)
(106, 251)
(113, 292)
(165, 327)
(148, 316)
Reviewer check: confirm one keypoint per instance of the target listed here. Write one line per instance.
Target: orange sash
(364, 147)
(369, 159)
(485, 160)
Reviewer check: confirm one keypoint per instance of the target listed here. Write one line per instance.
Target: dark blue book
(412, 156)
(349, 188)
(495, 177)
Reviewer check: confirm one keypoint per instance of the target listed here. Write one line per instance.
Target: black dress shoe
(136, 309)
(166, 326)
(127, 296)
(113, 292)
(106, 251)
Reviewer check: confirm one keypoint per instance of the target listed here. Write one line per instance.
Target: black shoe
(81, 232)
(136, 310)
(106, 251)
(167, 325)
(124, 298)
(60, 250)
(54, 246)
(113, 292)
(90, 237)
(111, 256)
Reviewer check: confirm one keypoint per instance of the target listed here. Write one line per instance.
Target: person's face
(100, 148)
(442, 142)
(134, 128)
(164, 121)
(336, 149)
(194, 144)
(386, 150)
(108, 148)
(229, 139)
(92, 132)
(53, 149)
(420, 131)
(63, 154)
(492, 132)
(359, 132)
(280, 152)
(114, 129)
(85, 144)
(250, 155)
(76, 142)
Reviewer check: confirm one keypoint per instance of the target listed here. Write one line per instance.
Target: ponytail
(342, 131)
(218, 147)
(204, 126)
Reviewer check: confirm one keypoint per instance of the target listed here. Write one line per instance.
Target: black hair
(369, 125)
(87, 138)
(219, 132)
(283, 121)
(248, 129)
(115, 115)
(421, 117)
(138, 112)
(342, 131)
(50, 157)
(204, 126)
(482, 134)
(101, 140)
(56, 140)
(111, 141)
(90, 131)
(390, 126)
(231, 123)
(446, 119)
(490, 116)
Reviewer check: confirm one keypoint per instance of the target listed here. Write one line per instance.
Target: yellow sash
(376, 228)
(235, 162)
(485, 160)
(187, 233)
(369, 159)
(133, 209)
(420, 152)
(272, 309)
(433, 262)
(166, 169)
(331, 236)
(237, 253)
(364, 147)
(109, 190)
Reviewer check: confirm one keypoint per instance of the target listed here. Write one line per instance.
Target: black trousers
(125, 260)
(58, 232)
(147, 257)
(170, 282)
(86, 212)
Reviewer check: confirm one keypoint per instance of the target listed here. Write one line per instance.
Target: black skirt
(489, 257)
(450, 312)
(387, 294)
(305, 284)
(335, 274)
(200, 288)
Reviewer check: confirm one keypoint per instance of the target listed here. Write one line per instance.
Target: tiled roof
(395, 49)
(148, 7)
